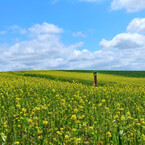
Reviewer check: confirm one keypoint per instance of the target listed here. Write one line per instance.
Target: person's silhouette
(95, 78)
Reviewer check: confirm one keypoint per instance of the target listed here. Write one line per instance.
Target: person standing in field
(95, 78)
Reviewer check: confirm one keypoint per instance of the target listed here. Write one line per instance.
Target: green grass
(140, 74)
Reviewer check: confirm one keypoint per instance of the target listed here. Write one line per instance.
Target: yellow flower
(106, 108)
(58, 132)
(109, 134)
(39, 131)
(100, 104)
(121, 109)
(17, 142)
(136, 120)
(103, 101)
(73, 117)
(23, 109)
(2, 134)
(36, 127)
(138, 124)
(75, 110)
(131, 134)
(18, 106)
(30, 120)
(5, 125)
(45, 122)
(116, 116)
(118, 105)
(73, 129)
(53, 90)
(84, 125)
(37, 108)
(61, 129)
(91, 127)
(35, 118)
(66, 137)
(17, 99)
(19, 126)
(78, 140)
(83, 116)
(129, 117)
(122, 117)
(81, 107)
(143, 136)
(118, 112)
(142, 119)
(86, 142)
(40, 137)
(128, 113)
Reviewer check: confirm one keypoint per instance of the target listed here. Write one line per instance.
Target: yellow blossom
(45, 122)
(73, 117)
(103, 101)
(109, 134)
(73, 129)
(122, 117)
(66, 137)
(100, 104)
(75, 110)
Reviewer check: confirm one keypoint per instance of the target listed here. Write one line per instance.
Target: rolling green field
(140, 74)
(64, 108)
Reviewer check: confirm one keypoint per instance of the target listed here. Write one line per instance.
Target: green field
(140, 74)
(64, 108)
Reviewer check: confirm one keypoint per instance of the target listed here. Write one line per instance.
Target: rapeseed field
(64, 108)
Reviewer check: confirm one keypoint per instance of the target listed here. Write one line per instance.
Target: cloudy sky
(72, 34)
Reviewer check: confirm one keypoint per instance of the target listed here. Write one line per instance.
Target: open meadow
(64, 108)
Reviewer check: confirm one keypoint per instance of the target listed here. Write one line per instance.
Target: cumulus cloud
(125, 51)
(45, 28)
(129, 5)
(125, 41)
(129, 47)
(137, 25)
(44, 51)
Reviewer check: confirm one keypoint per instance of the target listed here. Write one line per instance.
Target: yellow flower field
(37, 109)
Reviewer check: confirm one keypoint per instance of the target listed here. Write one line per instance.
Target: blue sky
(72, 34)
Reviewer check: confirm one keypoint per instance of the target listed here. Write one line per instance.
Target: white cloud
(128, 49)
(23, 31)
(45, 28)
(125, 51)
(16, 28)
(137, 25)
(125, 41)
(129, 5)
(44, 51)
(78, 34)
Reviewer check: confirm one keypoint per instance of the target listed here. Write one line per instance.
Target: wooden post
(95, 78)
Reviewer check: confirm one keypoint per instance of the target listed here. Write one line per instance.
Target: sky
(72, 35)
